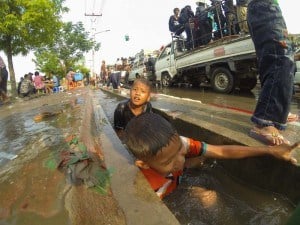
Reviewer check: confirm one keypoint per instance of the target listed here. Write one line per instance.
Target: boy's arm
(282, 152)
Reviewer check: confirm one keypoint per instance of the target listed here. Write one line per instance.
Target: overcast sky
(145, 21)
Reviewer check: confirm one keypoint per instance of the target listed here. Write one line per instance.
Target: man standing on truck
(241, 12)
(276, 70)
(174, 26)
(229, 11)
(187, 19)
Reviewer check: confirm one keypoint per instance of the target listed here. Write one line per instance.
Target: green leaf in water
(50, 164)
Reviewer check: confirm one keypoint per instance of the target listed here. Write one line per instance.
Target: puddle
(31, 193)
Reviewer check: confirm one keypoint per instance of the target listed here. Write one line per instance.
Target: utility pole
(93, 20)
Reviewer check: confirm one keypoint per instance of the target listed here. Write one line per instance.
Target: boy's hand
(284, 152)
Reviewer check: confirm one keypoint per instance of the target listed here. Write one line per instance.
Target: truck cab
(165, 68)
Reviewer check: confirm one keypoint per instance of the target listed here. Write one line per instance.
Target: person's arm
(282, 152)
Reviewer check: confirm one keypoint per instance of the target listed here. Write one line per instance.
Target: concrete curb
(133, 193)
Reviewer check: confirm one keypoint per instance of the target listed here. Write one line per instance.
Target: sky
(145, 21)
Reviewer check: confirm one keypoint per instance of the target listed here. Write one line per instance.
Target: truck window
(166, 52)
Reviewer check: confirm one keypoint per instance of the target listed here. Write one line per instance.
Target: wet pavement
(34, 192)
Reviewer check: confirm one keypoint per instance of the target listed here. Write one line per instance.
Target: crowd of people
(221, 18)
(32, 84)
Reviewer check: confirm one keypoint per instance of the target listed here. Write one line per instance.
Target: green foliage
(103, 180)
(71, 42)
(50, 163)
(76, 162)
(26, 25)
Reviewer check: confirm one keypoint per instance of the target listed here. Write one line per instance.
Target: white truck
(225, 64)
(143, 65)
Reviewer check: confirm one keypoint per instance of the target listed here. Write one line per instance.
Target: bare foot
(269, 135)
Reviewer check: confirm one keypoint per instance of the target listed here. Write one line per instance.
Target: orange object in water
(71, 85)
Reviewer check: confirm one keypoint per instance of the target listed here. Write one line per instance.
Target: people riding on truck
(203, 25)
(174, 26)
(186, 18)
(208, 23)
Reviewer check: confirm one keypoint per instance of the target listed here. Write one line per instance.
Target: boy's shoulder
(148, 107)
(122, 104)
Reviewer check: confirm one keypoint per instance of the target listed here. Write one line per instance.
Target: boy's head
(140, 92)
(155, 143)
(176, 11)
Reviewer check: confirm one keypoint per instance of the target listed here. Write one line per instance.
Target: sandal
(269, 138)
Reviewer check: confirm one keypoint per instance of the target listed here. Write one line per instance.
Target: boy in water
(138, 103)
(161, 153)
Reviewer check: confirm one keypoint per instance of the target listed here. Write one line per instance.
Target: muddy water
(30, 191)
(210, 196)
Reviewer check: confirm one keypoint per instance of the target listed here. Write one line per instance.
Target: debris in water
(44, 115)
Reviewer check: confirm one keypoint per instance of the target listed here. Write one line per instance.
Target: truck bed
(233, 46)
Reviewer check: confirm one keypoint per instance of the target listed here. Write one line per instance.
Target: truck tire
(247, 84)
(166, 80)
(222, 80)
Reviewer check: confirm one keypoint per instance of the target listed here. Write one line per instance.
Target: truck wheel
(247, 84)
(222, 80)
(166, 80)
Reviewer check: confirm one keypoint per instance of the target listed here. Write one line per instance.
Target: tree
(70, 44)
(26, 25)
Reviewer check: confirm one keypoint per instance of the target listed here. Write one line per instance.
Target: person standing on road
(3, 80)
(276, 66)
(103, 72)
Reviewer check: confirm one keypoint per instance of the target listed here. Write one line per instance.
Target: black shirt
(123, 114)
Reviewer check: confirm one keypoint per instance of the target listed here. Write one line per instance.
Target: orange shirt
(165, 185)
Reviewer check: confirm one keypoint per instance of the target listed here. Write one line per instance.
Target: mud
(30, 191)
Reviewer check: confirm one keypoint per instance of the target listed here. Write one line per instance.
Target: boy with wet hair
(138, 103)
(160, 152)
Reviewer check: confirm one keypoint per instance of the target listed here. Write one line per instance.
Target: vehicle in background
(143, 65)
(225, 64)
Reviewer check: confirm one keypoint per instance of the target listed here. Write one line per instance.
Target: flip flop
(267, 138)
(292, 118)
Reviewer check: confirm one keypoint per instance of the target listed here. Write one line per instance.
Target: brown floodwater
(206, 196)
(31, 192)
(210, 195)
